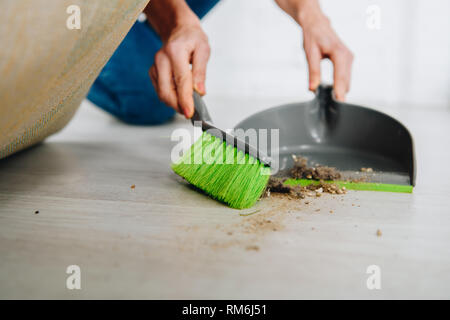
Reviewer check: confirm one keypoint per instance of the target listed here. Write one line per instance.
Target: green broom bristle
(223, 172)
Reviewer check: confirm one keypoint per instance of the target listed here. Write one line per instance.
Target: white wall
(257, 52)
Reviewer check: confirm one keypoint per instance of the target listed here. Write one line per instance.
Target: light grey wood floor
(165, 240)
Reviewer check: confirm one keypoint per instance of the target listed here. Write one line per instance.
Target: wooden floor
(163, 239)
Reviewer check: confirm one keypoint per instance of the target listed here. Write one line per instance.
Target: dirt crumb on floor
(379, 233)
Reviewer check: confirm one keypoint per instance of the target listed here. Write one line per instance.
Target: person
(172, 49)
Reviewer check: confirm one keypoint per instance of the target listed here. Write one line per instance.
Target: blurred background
(401, 48)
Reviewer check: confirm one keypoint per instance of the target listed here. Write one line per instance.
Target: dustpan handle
(324, 93)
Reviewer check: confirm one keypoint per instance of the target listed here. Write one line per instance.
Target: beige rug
(47, 67)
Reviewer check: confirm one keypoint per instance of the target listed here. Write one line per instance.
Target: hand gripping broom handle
(201, 112)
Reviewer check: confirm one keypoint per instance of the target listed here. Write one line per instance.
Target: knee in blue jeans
(132, 107)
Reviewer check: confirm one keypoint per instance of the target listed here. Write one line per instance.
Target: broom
(224, 167)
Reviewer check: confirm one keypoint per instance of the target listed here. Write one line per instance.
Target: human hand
(172, 75)
(320, 42)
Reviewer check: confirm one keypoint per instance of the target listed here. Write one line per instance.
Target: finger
(342, 60)
(199, 63)
(182, 74)
(313, 56)
(164, 81)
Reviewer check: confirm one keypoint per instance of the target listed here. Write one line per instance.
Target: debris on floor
(133, 186)
(276, 185)
(302, 171)
(247, 229)
(379, 234)
(271, 217)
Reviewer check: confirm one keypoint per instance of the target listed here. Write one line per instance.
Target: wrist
(185, 17)
(166, 16)
(184, 20)
(308, 13)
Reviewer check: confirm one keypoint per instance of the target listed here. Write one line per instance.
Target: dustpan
(372, 150)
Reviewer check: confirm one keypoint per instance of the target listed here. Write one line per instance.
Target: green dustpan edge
(364, 186)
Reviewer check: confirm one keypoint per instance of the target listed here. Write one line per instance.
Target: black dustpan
(341, 135)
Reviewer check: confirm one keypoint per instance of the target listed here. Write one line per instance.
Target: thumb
(199, 62)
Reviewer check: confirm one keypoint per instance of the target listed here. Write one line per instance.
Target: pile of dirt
(276, 185)
(302, 171)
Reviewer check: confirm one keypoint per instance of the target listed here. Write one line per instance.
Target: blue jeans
(124, 88)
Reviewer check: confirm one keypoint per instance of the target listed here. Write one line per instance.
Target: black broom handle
(201, 112)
